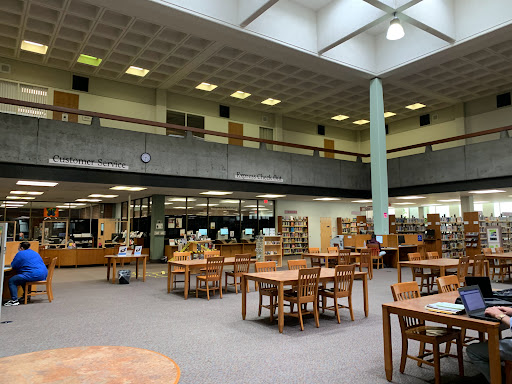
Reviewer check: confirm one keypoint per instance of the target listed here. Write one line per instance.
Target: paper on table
(447, 307)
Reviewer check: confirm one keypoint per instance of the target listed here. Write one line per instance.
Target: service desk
(226, 250)
(82, 256)
(11, 248)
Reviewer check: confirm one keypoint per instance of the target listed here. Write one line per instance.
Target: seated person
(478, 352)
(29, 266)
(373, 240)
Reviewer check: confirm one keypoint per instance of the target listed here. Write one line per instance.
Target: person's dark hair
(25, 245)
(374, 236)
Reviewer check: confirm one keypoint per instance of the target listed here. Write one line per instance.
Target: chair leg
(403, 358)
(437, 364)
(350, 308)
(336, 309)
(459, 356)
(315, 313)
(27, 291)
(271, 308)
(421, 352)
(226, 283)
(236, 285)
(48, 292)
(197, 287)
(324, 299)
(220, 286)
(259, 305)
(207, 290)
(300, 316)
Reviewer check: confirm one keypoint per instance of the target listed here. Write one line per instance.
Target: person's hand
(494, 312)
(506, 310)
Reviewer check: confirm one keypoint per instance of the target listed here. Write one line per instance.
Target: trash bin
(124, 276)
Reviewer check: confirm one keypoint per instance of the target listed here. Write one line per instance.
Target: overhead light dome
(395, 30)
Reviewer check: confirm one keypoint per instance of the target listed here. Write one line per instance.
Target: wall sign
(259, 177)
(366, 209)
(51, 212)
(98, 163)
(286, 212)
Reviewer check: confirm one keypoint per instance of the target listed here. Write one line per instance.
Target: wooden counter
(81, 256)
(226, 250)
(11, 249)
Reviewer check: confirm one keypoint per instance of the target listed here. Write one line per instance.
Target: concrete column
(161, 110)
(378, 158)
(421, 212)
(466, 204)
(156, 244)
(278, 130)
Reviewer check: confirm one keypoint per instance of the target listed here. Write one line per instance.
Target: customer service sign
(92, 163)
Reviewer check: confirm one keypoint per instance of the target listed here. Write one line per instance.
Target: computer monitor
(401, 239)
(248, 231)
(62, 234)
(224, 231)
(203, 232)
(380, 239)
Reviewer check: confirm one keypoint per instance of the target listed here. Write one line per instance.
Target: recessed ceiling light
(89, 60)
(216, 193)
(339, 117)
(411, 197)
(250, 206)
(270, 101)
(66, 206)
(89, 200)
(37, 183)
(33, 193)
(231, 201)
(389, 114)
(430, 205)
(448, 200)
(270, 196)
(481, 202)
(9, 206)
(240, 95)
(403, 203)
(484, 191)
(125, 188)
(182, 199)
(327, 198)
(362, 201)
(77, 204)
(137, 71)
(20, 197)
(361, 122)
(415, 106)
(180, 207)
(15, 202)
(34, 47)
(168, 203)
(206, 205)
(206, 87)
(105, 196)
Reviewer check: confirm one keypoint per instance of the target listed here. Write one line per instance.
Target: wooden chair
(316, 262)
(48, 282)
(332, 249)
(297, 264)
(493, 265)
(343, 281)
(479, 265)
(416, 329)
(500, 250)
(242, 264)
(313, 250)
(508, 372)
(436, 272)
(213, 253)
(366, 262)
(501, 265)
(307, 292)
(266, 289)
(343, 258)
(462, 270)
(376, 255)
(179, 256)
(420, 272)
(212, 273)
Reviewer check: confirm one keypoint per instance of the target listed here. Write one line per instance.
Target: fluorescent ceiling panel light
(168, 203)
(37, 183)
(231, 201)
(327, 199)
(361, 122)
(389, 114)
(430, 205)
(362, 201)
(448, 200)
(411, 197)
(206, 87)
(216, 193)
(270, 196)
(180, 207)
(20, 197)
(403, 203)
(66, 206)
(15, 202)
(34, 47)
(339, 117)
(9, 206)
(395, 29)
(89, 60)
(206, 205)
(125, 188)
(33, 193)
(105, 196)
(484, 191)
(415, 106)
(89, 200)
(250, 206)
(271, 101)
(137, 71)
(240, 95)
(182, 199)
(481, 202)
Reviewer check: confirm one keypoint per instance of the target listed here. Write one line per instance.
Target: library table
(504, 255)
(291, 277)
(112, 259)
(416, 308)
(326, 256)
(441, 264)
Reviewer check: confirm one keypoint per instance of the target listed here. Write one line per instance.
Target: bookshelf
(411, 225)
(294, 230)
(506, 232)
(472, 233)
(343, 225)
(392, 224)
(434, 243)
(273, 249)
(452, 237)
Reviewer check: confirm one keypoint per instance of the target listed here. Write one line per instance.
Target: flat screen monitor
(62, 234)
(203, 232)
(266, 231)
(224, 231)
(248, 231)
(401, 239)
(380, 239)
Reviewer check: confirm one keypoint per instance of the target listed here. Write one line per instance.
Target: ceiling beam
(257, 12)
(380, 5)
(427, 28)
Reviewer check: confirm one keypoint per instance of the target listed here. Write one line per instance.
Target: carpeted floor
(209, 340)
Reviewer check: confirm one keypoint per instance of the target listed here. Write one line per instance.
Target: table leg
(365, 296)
(114, 261)
(244, 296)
(143, 267)
(494, 354)
(388, 359)
(399, 271)
(137, 268)
(108, 269)
(442, 271)
(187, 281)
(169, 278)
(280, 309)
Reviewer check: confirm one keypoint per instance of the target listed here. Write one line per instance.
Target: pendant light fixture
(395, 30)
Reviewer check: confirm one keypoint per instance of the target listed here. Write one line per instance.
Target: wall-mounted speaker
(503, 100)
(321, 130)
(425, 120)
(387, 129)
(224, 111)
(80, 83)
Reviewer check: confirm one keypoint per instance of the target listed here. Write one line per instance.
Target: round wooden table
(89, 365)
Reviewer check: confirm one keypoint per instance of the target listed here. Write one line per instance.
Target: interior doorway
(325, 233)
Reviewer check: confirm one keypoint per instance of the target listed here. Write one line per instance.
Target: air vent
(224, 111)
(5, 68)
(387, 129)
(503, 100)
(321, 130)
(80, 83)
(264, 118)
(425, 120)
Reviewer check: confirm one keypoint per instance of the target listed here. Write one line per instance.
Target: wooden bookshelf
(472, 233)
(273, 249)
(392, 224)
(412, 225)
(343, 225)
(452, 237)
(434, 244)
(294, 230)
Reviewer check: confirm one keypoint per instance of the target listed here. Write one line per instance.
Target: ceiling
(183, 46)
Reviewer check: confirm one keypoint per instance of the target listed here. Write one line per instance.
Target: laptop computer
(490, 298)
(474, 303)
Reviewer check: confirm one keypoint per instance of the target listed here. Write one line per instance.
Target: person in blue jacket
(29, 266)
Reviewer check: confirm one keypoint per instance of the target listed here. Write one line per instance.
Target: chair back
(500, 250)
(479, 265)
(214, 266)
(416, 256)
(433, 256)
(242, 263)
(181, 256)
(487, 251)
(297, 264)
(308, 282)
(314, 250)
(371, 245)
(447, 284)
(462, 268)
(265, 266)
(51, 269)
(344, 257)
(366, 258)
(332, 249)
(208, 254)
(343, 279)
(406, 291)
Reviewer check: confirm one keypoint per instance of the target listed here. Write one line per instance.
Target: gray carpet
(209, 340)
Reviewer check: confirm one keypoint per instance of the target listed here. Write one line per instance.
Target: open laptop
(474, 303)
(490, 298)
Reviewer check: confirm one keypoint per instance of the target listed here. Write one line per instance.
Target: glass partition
(267, 218)
(176, 216)
(197, 214)
(224, 219)
(249, 219)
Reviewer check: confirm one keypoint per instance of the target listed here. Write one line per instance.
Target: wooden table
(189, 266)
(326, 256)
(416, 308)
(112, 259)
(441, 264)
(505, 255)
(90, 365)
(291, 277)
